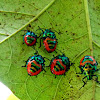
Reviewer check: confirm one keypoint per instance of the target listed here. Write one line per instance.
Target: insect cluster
(60, 64)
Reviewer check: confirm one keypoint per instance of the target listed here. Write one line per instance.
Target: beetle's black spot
(22, 6)
(66, 31)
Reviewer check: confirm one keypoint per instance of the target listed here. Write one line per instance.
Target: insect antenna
(98, 81)
(44, 69)
(46, 58)
(41, 30)
(59, 50)
(36, 53)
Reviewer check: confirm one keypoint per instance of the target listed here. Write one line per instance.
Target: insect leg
(43, 69)
(96, 79)
(55, 51)
(47, 58)
(23, 66)
(23, 35)
(60, 51)
(26, 61)
(33, 47)
(98, 69)
(83, 82)
(29, 74)
(40, 42)
(36, 52)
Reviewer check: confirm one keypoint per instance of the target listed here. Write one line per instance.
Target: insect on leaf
(76, 24)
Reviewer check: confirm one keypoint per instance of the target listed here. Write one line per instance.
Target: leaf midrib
(90, 37)
(41, 12)
(88, 25)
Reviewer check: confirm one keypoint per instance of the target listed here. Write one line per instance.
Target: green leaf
(78, 21)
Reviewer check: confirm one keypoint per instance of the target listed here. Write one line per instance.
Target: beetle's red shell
(83, 63)
(29, 44)
(61, 72)
(47, 45)
(29, 66)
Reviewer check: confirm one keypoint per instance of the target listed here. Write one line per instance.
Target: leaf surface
(78, 21)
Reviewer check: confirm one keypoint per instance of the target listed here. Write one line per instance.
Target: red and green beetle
(49, 40)
(88, 66)
(30, 38)
(35, 65)
(59, 65)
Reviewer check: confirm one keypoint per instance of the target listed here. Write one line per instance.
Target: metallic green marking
(58, 66)
(36, 67)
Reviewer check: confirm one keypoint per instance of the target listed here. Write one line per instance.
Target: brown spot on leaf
(80, 2)
(92, 99)
(78, 76)
(91, 50)
(29, 25)
(35, 19)
(58, 12)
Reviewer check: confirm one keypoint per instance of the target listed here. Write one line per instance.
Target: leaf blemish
(29, 25)
(35, 19)
(73, 33)
(58, 12)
